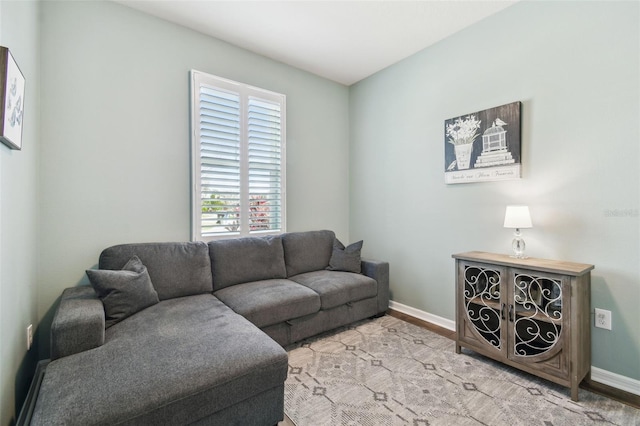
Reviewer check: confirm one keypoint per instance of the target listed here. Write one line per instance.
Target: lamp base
(518, 246)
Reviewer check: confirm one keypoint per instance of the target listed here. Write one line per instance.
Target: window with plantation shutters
(238, 142)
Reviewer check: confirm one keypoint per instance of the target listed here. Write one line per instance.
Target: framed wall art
(483, 146)
(11, 99)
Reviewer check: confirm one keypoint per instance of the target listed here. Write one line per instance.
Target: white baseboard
(614, 380)
(425, 316)
(599, 375)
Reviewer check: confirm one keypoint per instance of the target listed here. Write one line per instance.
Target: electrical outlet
(29, 336)
(603, 319)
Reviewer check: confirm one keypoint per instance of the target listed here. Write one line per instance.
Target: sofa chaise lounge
(209, 349)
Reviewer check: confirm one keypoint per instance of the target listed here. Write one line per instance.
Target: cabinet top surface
(569, 268)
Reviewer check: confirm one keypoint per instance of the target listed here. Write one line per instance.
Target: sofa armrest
(78, 324)
(379, 271)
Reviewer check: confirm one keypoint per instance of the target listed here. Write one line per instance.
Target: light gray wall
(18, 212)
(574, 66)
(115, 135)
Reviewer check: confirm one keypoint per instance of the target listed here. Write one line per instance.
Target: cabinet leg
(574, 392)
(458, 349)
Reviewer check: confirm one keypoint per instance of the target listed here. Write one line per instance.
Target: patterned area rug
(389, 372)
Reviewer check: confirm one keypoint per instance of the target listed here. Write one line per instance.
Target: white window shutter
(238, 147)
(265, 174)
(219, 161)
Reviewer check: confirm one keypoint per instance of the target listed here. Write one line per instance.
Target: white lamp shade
(517, 217)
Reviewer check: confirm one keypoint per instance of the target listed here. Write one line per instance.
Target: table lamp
(517, 217)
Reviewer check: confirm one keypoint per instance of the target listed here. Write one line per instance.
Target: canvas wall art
(483, 146)
(11, 99)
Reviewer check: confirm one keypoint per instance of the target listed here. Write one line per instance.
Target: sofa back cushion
(241, 260)
(307, 251)
(176, 269)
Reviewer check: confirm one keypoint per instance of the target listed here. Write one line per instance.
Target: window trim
(198, 78)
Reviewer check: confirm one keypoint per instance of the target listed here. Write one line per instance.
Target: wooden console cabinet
(532, 314)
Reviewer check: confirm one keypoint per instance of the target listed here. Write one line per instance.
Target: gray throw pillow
(345, 259)
(125, 292)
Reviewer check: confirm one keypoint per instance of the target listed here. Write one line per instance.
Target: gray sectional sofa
(204, 341)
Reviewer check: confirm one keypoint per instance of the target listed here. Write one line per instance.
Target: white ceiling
(344, 41)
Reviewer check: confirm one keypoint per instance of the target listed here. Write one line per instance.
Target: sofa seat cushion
(270, 302)
(337, 288)
(176, 362)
